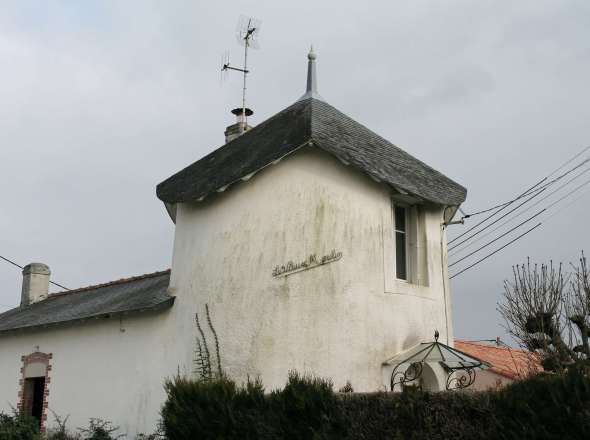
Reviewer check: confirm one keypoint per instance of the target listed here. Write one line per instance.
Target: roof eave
(166, 304)
(168, 201)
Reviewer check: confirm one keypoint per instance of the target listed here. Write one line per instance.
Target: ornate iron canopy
(459, 367)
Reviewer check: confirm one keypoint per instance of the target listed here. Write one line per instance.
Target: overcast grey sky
(100, 101)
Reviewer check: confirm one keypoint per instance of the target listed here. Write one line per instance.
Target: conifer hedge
(543, 407)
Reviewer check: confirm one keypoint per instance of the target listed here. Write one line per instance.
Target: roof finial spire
(311, 90)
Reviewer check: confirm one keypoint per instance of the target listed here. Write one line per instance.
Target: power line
(516, 227)
(21, 267)
(500, 210)
(530, 191)
(548, 176)
(497, 238)
(558, 178)
(495, 252)
(525, 211)
(535, 193)
(11, 262)
(565, 206)
(570, 160)
(497, 220)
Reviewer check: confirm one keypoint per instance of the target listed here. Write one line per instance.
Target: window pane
(400, 255)
(400, 219)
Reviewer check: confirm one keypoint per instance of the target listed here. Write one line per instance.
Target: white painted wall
(97, 370)
(341, 320)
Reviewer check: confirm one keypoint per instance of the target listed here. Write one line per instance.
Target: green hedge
(543, 407)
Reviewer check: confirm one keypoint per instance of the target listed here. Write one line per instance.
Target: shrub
(60, 430)
(546, 406)
(99, 429)
(18, 427)
(211, 408)
(541, 407)
(347, 388)
(305, 408)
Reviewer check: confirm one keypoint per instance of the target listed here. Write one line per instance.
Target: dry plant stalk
(202, 360)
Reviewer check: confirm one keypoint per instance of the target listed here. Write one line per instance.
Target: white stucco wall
(340, 320)
(98, 370)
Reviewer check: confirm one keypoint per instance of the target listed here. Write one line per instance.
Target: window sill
(401, 287)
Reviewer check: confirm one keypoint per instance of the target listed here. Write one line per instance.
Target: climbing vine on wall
(202, 364)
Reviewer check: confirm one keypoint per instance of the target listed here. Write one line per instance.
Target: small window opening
(34, 392)
(401, 257)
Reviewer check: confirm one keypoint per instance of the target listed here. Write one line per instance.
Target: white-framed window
(405, 245)
(401, 220)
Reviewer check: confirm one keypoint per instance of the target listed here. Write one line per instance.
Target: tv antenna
(247, 33)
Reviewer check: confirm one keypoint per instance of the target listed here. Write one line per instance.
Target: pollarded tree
(549, 315)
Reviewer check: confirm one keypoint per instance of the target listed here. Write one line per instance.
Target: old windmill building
(316, 244)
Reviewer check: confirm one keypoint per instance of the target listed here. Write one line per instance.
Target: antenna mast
(247, 36)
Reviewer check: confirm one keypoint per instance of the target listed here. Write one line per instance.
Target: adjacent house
(507, 364)
(315, 244)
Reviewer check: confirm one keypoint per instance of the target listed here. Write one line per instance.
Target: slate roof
(509, 362)
(310, 120)
(129, 295)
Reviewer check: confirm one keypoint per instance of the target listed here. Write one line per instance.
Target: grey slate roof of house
(130, 295)
(310, 120)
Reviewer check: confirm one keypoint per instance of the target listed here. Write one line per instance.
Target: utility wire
(571, 170)
(497, 220)
(525, 211)
(530, 191)
(11, 262)
(21, 267)
(535, 193)
(548, 207)
(535, 190)
(566, 205)
(495, 252)
(530, 230)
(497, 238)
(499, 210)
(525, 193)
(570, 160)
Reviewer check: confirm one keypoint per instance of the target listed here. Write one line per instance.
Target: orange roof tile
(513, 363)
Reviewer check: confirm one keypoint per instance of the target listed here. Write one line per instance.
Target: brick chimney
(35, 283)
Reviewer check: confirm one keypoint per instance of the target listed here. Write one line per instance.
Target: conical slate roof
(310, 120)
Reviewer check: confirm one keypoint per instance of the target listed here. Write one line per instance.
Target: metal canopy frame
(455, 361)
